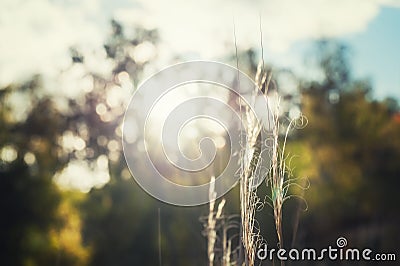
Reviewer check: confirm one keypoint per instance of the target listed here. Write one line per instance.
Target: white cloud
(206, 27)
(36, 36)
(393, 3)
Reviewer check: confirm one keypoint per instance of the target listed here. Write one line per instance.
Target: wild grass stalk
(279, 179)
(250, 160)
(213, 217)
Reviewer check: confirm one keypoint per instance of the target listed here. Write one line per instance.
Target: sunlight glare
(80, 175)
(29, 158)
(8, 153)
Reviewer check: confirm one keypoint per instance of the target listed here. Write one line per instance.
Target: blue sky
(376, 53)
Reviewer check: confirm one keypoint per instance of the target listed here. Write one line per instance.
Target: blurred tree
(350, 151)
(43, 225)
(120, 219)
(30, 201)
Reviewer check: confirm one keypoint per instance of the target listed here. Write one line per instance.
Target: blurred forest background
(349, 151)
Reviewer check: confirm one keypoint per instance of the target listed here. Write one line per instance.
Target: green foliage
(30, 200)
(351, 146)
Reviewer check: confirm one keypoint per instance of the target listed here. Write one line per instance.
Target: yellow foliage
(68, 239)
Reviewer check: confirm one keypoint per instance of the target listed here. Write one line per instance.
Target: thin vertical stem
(159, 237)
